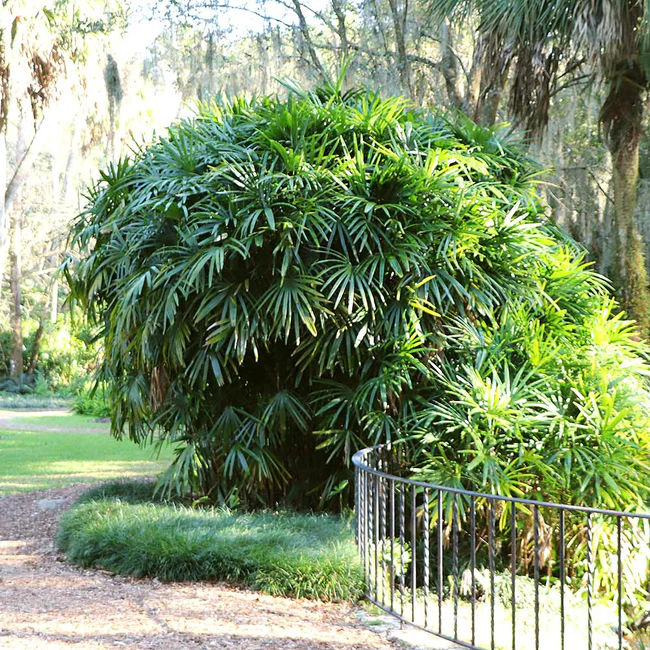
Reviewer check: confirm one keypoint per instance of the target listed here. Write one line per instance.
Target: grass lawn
(45, 449)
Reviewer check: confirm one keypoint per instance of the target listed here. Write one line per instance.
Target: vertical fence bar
(413, 553)
(391, 575)
(356, 509)
(454, 522)
(375, 517)
(383, 533)
(441, 521)
(620, 583)
(492, 571)
(425, 535)
(472, 541)
(402, 522)
(562, 579)
(366, 515)
(513, 572)
(590, 581)
(536, 568)
(360, 519)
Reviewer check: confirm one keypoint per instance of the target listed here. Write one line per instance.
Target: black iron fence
(493, 572)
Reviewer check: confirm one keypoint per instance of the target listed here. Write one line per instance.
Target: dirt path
(48, 605)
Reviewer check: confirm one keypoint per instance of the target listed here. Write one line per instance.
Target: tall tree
(609, 40)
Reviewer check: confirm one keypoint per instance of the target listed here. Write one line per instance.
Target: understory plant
(279, 553)
(281, 282)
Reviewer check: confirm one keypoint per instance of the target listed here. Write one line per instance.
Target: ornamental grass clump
(280, 282)
(279, 553)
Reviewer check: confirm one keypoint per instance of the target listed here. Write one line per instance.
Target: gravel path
(47, 605)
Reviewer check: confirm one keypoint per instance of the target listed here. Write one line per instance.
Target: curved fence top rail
(359, 460)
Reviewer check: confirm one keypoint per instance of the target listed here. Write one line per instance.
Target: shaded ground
(48, 605)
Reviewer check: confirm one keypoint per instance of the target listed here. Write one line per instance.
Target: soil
(46, 604)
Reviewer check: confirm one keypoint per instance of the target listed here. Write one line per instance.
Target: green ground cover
(41, 450)
(279, 553)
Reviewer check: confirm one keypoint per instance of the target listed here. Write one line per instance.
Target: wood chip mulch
(46, 604)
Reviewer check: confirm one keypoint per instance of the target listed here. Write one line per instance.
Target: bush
(282, 554)
(283, 282)
(66, 356)
(90, 400)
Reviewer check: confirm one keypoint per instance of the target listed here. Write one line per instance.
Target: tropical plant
(280, 283)
(608, 39)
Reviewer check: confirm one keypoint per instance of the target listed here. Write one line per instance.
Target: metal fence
(491, 572)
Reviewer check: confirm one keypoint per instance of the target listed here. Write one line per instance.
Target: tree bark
(54, 302)
(472, 94)
(622, 118)
(339, 8)
(304, 29)
(17, 360)
(494, 59)
(449, 67)
(36, 349)
(399, 14)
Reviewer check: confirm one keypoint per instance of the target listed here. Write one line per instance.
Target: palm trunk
(622, 117)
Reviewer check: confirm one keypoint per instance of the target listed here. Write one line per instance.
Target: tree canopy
(281, 282)
(602, 39)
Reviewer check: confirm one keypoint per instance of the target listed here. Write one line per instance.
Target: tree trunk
(26, 157)
(54, 302)
(3, 183)
(17, 361)
(472, 94)
(339, 8)
(399, 14)
(622, 118)
(36, 349)
(495, 58)
(311, 49)
(449, 67)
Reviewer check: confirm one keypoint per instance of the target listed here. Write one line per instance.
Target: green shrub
(283, 554)
(90, 399)
(282, 282)
(66, 355)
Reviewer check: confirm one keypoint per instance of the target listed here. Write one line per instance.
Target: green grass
(282, 554)
(40, 451)
(53, 420)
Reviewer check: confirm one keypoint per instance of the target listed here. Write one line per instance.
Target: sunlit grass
(39, 460)
(51, 419)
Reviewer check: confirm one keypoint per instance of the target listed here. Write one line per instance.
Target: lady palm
(279, 283)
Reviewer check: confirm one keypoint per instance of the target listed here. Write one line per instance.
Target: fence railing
(490, 572)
